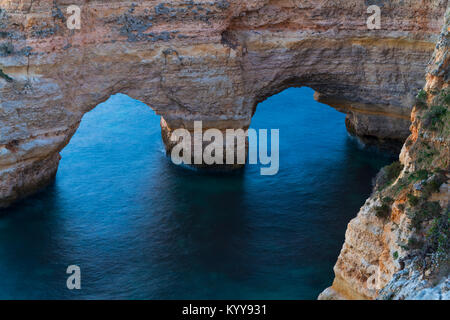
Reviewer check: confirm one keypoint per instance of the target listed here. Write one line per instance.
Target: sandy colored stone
(375, 248)
(204, 60)
(215, 61)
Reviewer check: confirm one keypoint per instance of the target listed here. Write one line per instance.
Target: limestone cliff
(398, 246)
(200, 60)
(215, 61)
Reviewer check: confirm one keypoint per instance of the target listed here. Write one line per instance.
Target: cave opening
(185, 233)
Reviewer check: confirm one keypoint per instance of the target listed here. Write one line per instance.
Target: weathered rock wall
(200, 60)
(398, 247)
(214, 61)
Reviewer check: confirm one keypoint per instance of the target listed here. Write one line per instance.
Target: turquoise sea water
(141, 228)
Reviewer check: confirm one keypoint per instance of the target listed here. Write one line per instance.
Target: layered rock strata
(398, 246)
(200, 60)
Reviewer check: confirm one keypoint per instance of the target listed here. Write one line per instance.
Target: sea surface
(140, 227)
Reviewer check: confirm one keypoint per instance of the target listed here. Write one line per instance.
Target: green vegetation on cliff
(418, 190)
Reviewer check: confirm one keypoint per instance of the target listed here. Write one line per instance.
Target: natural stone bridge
(214, 61)
(200, 60)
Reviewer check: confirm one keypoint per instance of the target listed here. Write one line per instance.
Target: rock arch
(194, 60)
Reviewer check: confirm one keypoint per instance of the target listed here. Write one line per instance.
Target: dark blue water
(141, 228)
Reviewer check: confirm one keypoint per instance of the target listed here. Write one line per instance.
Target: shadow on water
(200, 228)
(31, 248)
(142, 228)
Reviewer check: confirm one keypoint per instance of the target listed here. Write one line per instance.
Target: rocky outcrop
(215, 61)
(200, 60)
(398, 246)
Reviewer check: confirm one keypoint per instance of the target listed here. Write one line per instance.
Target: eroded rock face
(200, 60)
(398, 247)
(215, 61)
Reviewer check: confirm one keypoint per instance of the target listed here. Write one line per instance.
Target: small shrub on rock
(387, 175)
(412, 200)
(421, 99)
(384, 211)
(433, 118)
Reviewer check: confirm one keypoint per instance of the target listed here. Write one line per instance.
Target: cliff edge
(399, 244)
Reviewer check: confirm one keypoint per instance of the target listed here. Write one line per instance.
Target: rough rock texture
(215, 61)
(410, 284)
(398, 246)
(200, 60)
